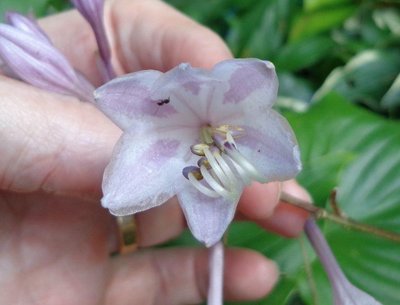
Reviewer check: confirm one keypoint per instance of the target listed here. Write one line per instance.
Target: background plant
(339, 67)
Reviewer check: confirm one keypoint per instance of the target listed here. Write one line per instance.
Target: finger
(180, 276)
(143, 35)
(286, 219)
(140, 26)
(258, 200)
(160, 224)
(51, 142)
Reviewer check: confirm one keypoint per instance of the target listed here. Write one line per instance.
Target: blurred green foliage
(38, 8)
(339, 67)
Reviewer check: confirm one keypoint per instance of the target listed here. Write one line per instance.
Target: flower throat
(221, 169)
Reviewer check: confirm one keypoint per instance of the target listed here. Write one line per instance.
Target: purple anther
(190, 169)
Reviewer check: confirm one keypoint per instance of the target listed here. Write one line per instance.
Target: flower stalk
(320, 213)
(216, 277)
(344, 293)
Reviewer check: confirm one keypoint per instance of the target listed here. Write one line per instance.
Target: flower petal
(128, 101)
(208, 218)
(270, 145)
(213, 96)
(250, 81)
(145, 171)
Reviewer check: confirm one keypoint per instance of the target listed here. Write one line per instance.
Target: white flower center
(222, 170)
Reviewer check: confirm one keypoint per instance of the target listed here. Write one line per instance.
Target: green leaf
(312, 23)
(366, 78)
(262, 30)
(391, 100)
(24, 7)
(294, 87)
(311, 5)
(322, 174)
(368, 188)
(303, 53)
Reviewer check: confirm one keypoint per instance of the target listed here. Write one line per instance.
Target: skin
(55, 239)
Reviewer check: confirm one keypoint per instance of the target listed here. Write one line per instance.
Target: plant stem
(216, 277)
(320, 213)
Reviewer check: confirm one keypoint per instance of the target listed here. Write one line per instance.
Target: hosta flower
(27, 25)
(92, 10)
(27, 53)
(344, 292)
(201, 135)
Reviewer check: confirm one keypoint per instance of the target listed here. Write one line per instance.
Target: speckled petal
(127, 101)
(250, 81)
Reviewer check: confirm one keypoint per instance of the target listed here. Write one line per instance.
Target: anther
(194, 170)
(204, 161)
(198, 149)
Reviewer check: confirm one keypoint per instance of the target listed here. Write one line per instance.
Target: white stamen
(224, 169)
(244, 176)
(213, 183)
(246, 165)
(227, 170)
(201, 188)
(217, 169)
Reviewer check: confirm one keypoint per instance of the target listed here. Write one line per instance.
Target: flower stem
(320, 213)
(323, 251)
(215, 288)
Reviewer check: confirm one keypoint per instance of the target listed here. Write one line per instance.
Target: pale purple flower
(344, 292)
(26, 24)
(93, 11)
(27, 53)
(221, 120)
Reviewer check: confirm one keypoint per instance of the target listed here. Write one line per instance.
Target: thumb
(51, 142)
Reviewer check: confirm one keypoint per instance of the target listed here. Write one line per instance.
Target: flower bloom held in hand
(198, 134)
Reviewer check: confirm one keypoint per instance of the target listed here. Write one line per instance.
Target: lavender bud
(38, 63)
(27, 25)
(344, 293)
(92, 11)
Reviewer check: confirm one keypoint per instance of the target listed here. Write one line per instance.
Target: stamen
(213, 183)
(201, 188)
(238, 169)
(217, 169)
(203, 161)
(194, 170)
(223, 168)
(228, 172)
(198, 149)
(246, 165)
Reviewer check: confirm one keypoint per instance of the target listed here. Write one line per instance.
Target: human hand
(55, 237)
